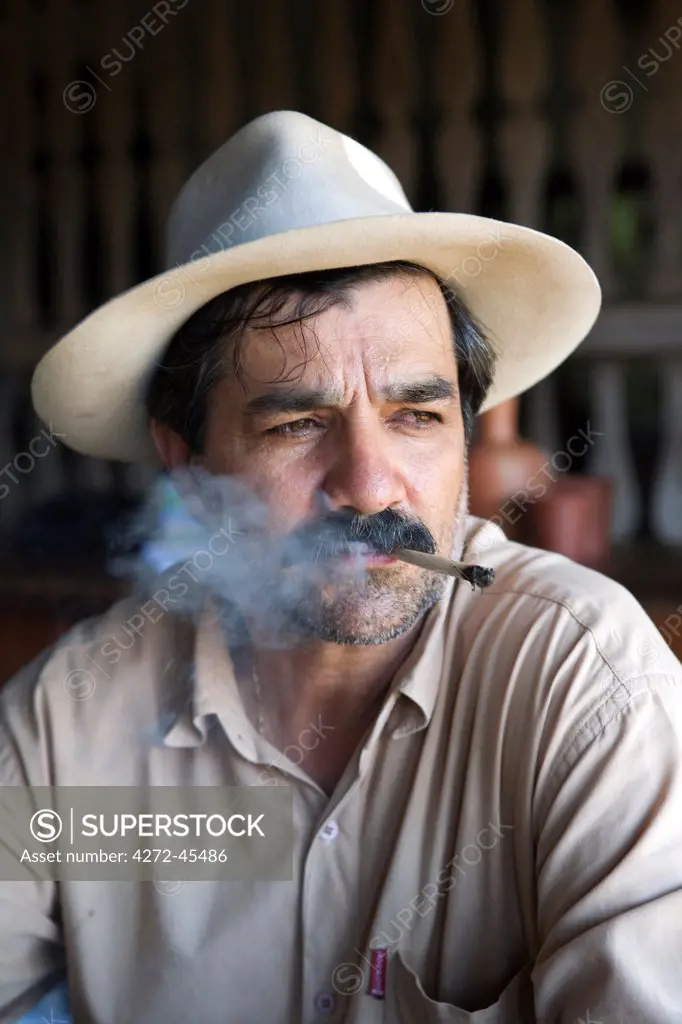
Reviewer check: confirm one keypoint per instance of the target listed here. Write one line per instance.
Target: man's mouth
(353, 554)
(369, 559)
(365, 555)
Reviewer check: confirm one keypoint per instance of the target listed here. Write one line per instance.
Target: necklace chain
(255, 678)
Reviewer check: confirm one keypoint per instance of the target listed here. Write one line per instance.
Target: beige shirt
(511, 828)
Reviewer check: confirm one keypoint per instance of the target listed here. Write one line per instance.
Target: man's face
(355, 411)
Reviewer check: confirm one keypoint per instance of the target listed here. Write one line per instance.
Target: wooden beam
(627, 330)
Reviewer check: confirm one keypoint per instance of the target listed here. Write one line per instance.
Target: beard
(288, 590)
(383, 604)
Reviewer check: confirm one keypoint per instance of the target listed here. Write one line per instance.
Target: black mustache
(382, 533)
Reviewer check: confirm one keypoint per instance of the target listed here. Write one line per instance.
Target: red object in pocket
(377, 974)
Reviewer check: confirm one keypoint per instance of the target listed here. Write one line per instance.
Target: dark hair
(195, 359)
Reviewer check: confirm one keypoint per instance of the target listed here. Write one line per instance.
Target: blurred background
(564, 115)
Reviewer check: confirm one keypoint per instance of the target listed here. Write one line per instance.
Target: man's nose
(365, 474)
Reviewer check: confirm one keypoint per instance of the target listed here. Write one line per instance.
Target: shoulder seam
(574, 749)
(587, 629)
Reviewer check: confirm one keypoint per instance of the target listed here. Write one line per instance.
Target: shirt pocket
(408, 1003)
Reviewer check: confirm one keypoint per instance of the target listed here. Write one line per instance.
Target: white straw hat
(287, 194)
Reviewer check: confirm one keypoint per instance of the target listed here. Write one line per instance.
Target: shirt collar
(418, 678)
(213, 691)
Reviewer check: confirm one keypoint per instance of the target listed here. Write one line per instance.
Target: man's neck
(322, 699)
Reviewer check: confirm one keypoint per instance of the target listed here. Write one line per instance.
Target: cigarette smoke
(214, 538)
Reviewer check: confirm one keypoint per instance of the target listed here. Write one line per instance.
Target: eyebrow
(430, 389)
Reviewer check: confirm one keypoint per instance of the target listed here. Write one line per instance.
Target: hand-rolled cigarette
(476, 575)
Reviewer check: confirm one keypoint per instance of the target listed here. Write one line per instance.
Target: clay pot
(501, 465)
(574, 519)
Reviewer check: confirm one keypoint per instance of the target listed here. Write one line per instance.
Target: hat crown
(280, 172)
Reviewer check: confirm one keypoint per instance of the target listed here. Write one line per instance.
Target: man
(488, 798)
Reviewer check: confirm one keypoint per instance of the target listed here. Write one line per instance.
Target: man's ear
(173, 451)
(179, 460)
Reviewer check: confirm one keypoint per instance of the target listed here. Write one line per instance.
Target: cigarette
(476, 575)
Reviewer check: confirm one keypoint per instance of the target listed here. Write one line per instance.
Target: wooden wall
(544, 112)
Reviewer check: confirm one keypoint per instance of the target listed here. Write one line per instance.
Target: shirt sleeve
(31, 953)
(609, 864)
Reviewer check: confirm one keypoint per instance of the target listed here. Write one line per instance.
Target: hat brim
(535, 297)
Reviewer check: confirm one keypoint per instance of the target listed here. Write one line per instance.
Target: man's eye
(301, 426)
(418, 417)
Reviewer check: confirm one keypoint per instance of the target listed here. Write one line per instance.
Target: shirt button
(329, 831)
(325, 1002)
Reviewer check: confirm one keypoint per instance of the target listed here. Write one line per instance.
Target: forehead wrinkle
(335, 343)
